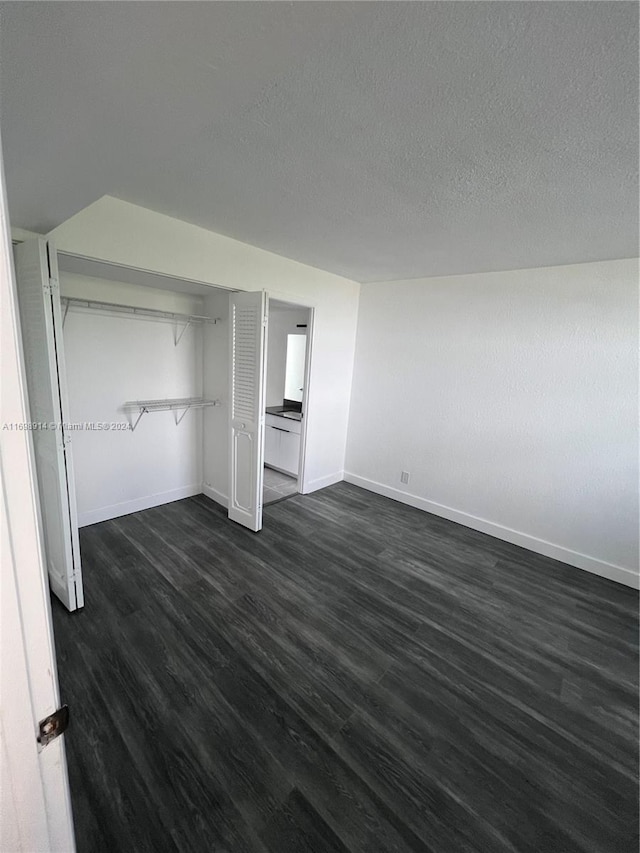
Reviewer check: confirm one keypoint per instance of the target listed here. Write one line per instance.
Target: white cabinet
(271, 446)
(282, 444)
(289, 452)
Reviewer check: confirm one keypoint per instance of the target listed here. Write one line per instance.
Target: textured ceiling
(374, 140)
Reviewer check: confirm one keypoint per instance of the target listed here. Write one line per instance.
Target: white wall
(111, 359)
(282, 322)
(512, 400)
(117, 231)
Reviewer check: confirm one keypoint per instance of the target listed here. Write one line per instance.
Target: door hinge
(53, 725)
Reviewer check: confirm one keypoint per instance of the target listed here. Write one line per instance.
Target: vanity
(282, 439)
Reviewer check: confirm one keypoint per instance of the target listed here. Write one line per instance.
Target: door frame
(302, 462)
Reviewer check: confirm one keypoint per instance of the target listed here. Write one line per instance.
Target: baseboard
(215, 495)
(557, 552)
(116, 510)
(323, 482)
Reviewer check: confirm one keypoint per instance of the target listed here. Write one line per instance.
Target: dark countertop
(281, 412)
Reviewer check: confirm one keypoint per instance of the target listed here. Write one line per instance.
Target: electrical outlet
(404, 477)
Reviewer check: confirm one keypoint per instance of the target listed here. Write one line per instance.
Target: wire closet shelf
(136, 311)
(179, 405)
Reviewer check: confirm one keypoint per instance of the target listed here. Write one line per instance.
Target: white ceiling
(374, 140)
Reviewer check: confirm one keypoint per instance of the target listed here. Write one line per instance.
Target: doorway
(286, 372)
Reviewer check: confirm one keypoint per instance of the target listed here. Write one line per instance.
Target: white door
(35, 807)
(247, 341)
(41, 323)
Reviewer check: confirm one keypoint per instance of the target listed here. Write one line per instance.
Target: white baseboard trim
(126, 507)
(524, 540)
(323, 482)
(215, 495)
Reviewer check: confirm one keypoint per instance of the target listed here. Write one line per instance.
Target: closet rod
(96, 305)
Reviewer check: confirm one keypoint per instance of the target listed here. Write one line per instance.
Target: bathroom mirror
(294, 371)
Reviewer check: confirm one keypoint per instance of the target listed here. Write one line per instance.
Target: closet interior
(144, 396)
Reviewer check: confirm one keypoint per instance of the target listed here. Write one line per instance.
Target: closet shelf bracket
(179, 405)
(178, 337)
(140, 414)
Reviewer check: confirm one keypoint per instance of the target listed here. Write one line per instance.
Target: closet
(143, 389)
(135, 376)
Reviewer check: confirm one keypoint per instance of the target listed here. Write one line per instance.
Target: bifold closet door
(247, 341)
(41, 326)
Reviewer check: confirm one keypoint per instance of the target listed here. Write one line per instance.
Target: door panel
(39, 301)
(247, 340)
(244, 455)
(64, 409)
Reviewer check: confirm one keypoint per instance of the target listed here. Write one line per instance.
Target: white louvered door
(41, 326)
(247, 336)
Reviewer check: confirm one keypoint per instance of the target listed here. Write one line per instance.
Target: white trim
(323, 482)
(299, 301)
(126, 507)
(303, 486)
(215, 495)
(557, 552)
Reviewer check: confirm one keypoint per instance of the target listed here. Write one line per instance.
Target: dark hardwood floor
(359, 676)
